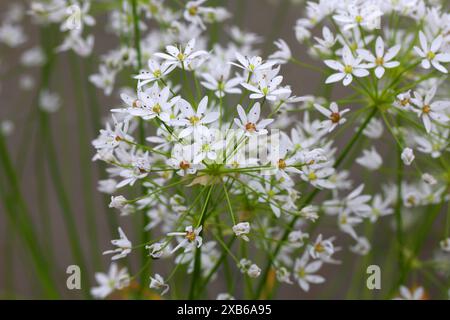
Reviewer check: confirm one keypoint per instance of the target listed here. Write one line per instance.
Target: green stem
(85, 165)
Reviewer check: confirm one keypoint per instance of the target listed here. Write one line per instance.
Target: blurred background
(51, 155)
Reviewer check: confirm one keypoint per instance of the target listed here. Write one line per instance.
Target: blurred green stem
(85, 164)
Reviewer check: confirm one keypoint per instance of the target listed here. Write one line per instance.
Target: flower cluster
(214, 156)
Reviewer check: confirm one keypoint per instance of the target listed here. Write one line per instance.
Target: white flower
(254, 271)
(157, 71)
(158, 249)
(379, 208)
(6, 127)
(362, 14)
(346, 222)
(407, 156)
(12, 35)
(302, 29)
(354, 202)
(207, 146)
(157, 282)
(193, 12)
(110, 139)
(77, 16)
(374, 129)
(33, 57)
(194, 120)
(428, 178)
(151, 103)
(267, 85)
(350, 67)
(191, 239)
(49, 101)
(220, 84)
(370, 159)
(380, 60)
(74, 41)
(251, 64)
(319, 177)
(428, 110)
(430, 54)
(124, 246)
(115, 280)
(304, 272)
(403, 100)
(283, 55)
(244, 264)
(445, 245)
(179, 57)
(224, 296)
(26, 82)
(118, 202)
(297, 237)
(250, 123)
(362, 246)
(321, 248)
(104, 79)
(327, 42)
(241, 230)
(283, 275)
(333, 114)
(182, 158)
(411, 294)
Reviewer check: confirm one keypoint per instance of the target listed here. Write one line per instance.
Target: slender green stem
(197, 262)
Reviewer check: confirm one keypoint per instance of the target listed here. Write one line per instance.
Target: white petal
(202, 105)
(360, 72)
(439, 66)
(423, 41)
(379, 72)
(335, 77)
(425, 64)
(436, 44)
(254, 113)
(333, 64)
(392, 52)
(379, 47)
(348, 79)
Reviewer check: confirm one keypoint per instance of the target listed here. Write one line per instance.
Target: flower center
(206, 147)
(319, 248)
(181, 56)
(379, 61)
(265, 91)
(190, 235)
(156, 108)
(359, 19)
(301, 273)
(194, 120)
(282, 164)
(193, 10)
(404, 102)
(426, 109)
(157, 73)
(250, 126)
(348, 69)
(431, 55)
(335, 117)
(312, 176)
(185, 165)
